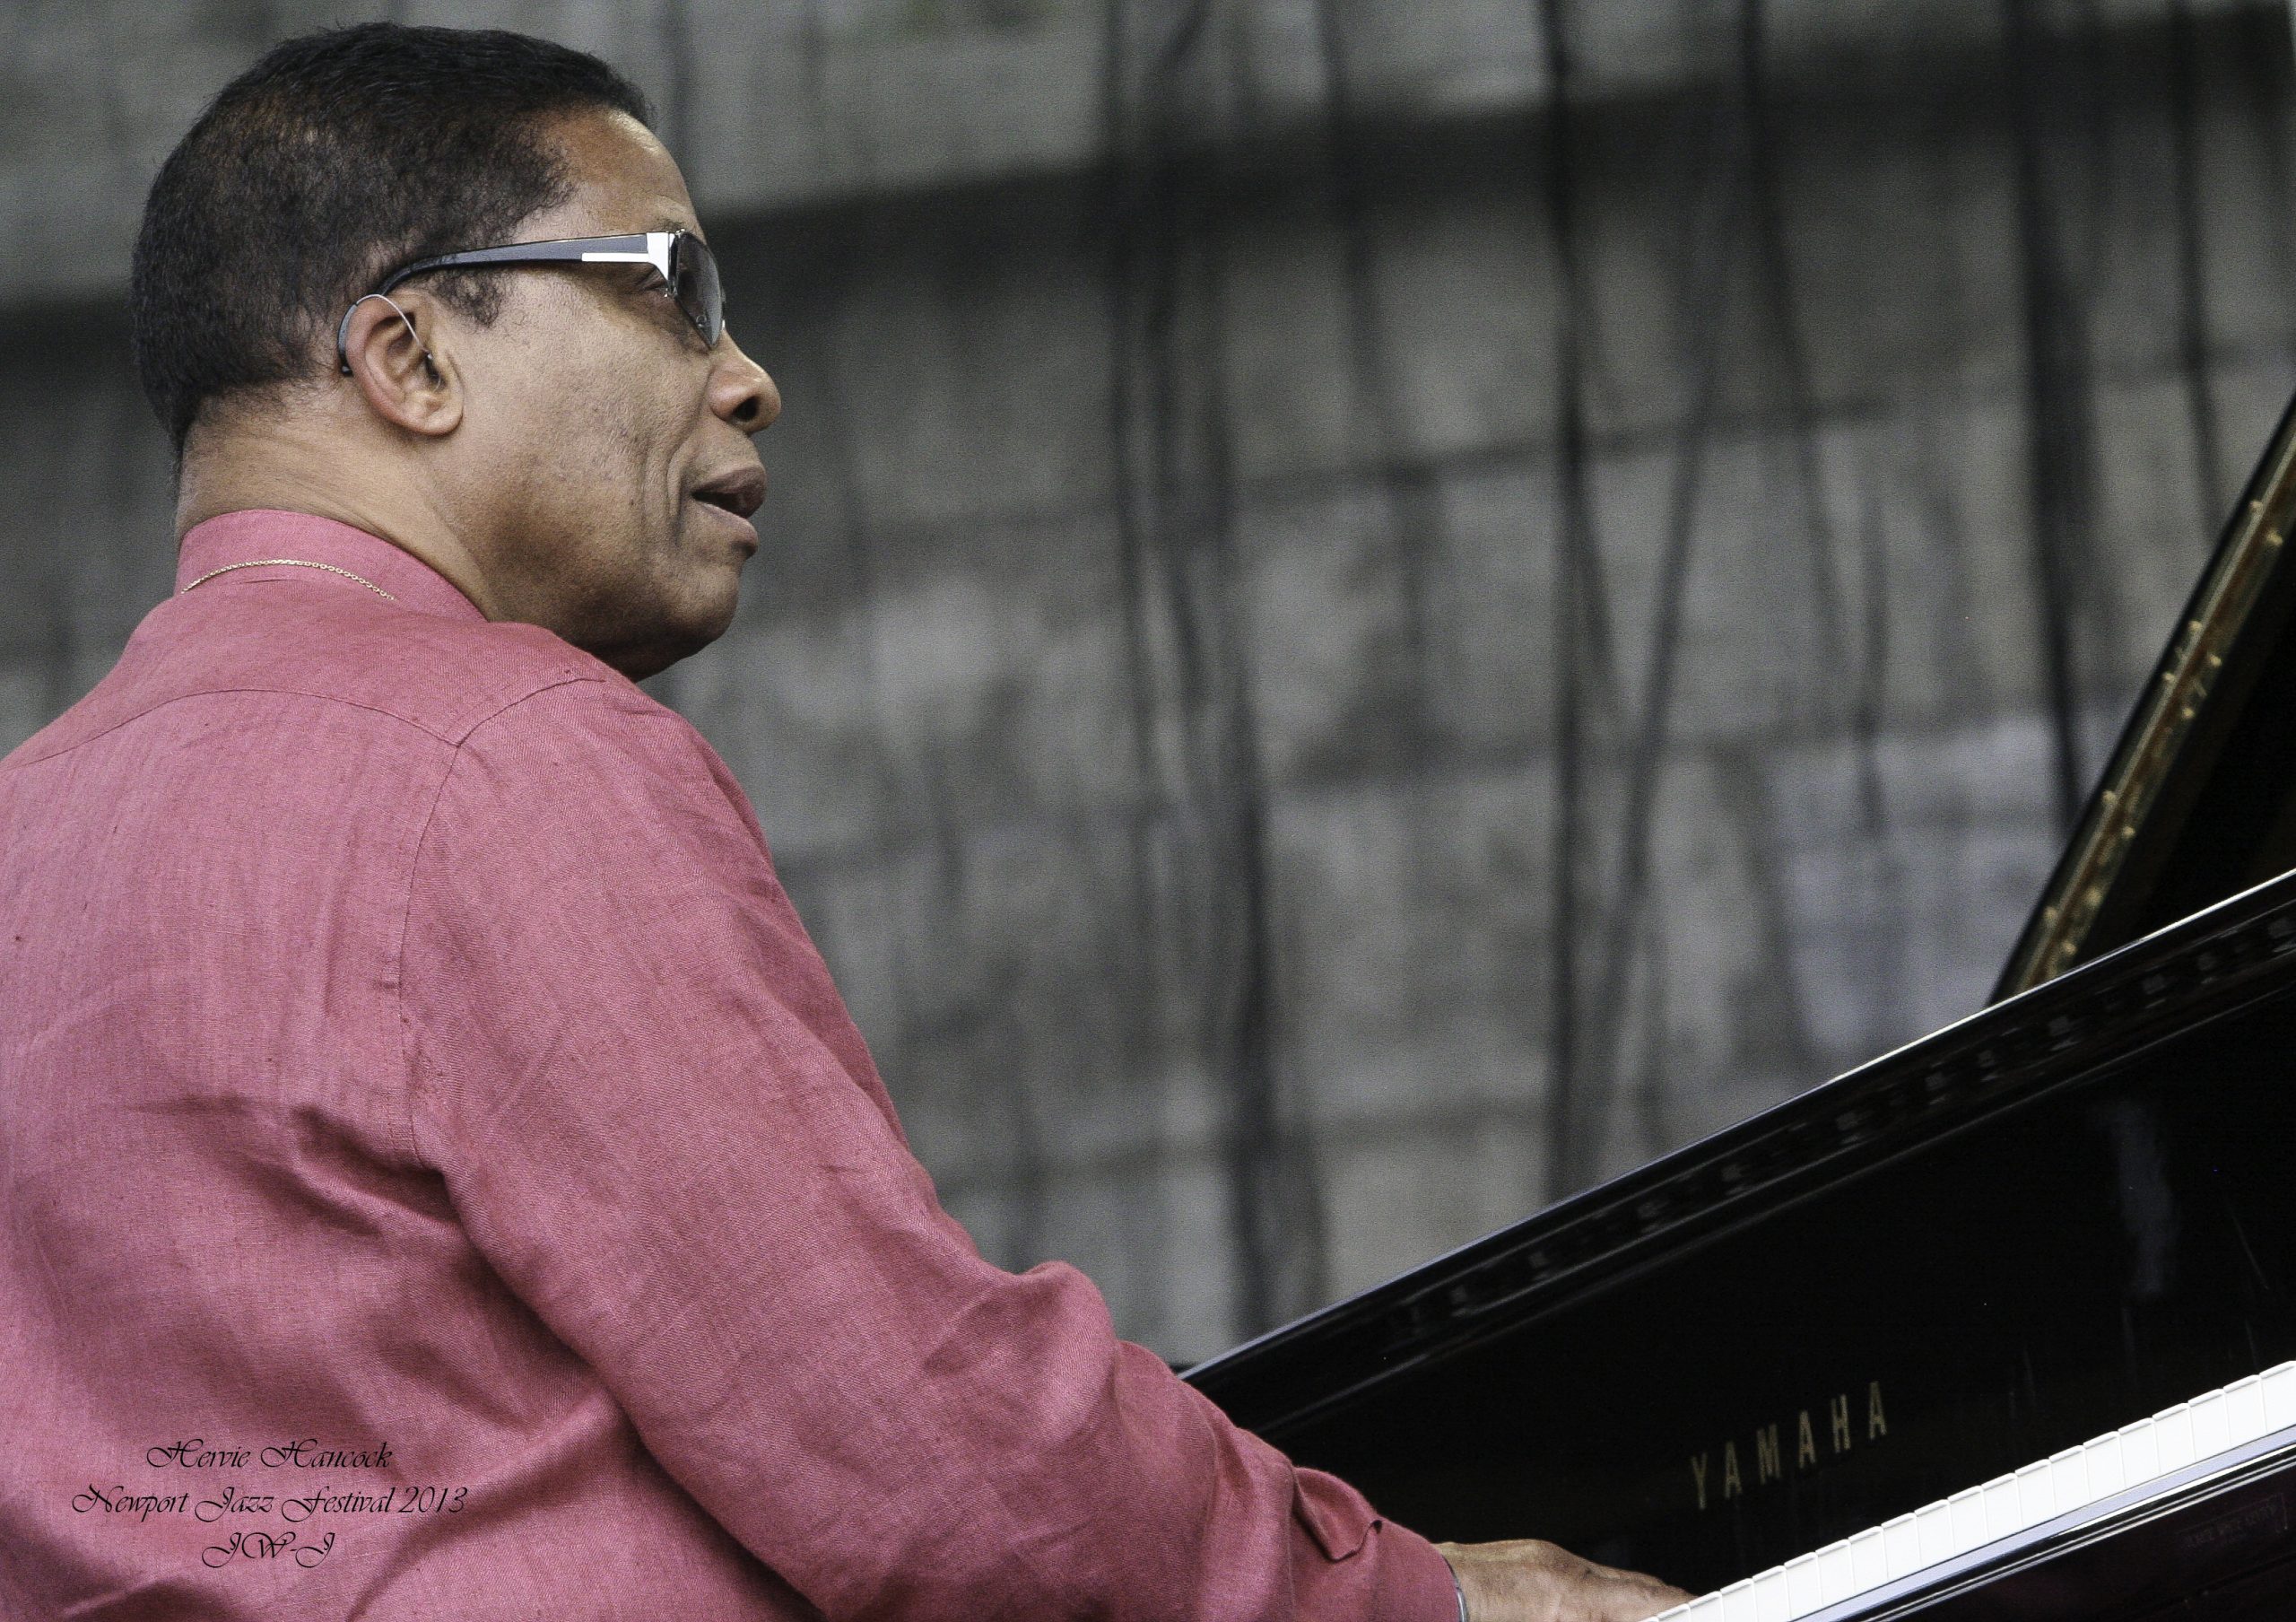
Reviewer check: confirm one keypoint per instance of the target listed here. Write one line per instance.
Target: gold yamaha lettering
(1767, 1467)
(1836, 1423)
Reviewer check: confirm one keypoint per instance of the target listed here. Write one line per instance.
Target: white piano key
(2140, 1451)
(2244, 1409)
(2173, 1427)
(2212, 1433)
(2279, 1395)
(1836, 1573)
(2107, 1470)
(1801, 1584)
(2036, 1498)
(1869, 1560)
(1936, 1521)
(1902, 1543)
(2003, 1505)
(1969, 1519)
(2068, 1480)
(1738, 1602)
(1773, 1598)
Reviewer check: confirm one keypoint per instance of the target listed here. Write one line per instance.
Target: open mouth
(740, 492)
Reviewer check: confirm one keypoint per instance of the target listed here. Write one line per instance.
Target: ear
(400, 364)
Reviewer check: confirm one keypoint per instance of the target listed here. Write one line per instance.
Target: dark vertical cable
(1280, 1219)
(1405, 491)
(1575, 1153)
(1885, 972)
(1124, 210)
(60, 685)
(1165, 271)
(2192, 269)
(2261, 54)
(2059, 437)
(1774, 278)
(1175, 420)
(812, 58)
(676, 37)
(1574, 542)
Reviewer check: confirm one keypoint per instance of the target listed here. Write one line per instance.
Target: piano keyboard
(1935, 1544)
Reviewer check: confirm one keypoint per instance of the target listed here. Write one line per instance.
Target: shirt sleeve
(659, 1126)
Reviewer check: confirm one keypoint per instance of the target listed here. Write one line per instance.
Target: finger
(1625, 1596)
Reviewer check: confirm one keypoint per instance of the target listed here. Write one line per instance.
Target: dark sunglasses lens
(699, 292)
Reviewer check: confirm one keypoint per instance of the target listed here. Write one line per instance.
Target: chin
(681, 639)
(640, 651)
(719, 619)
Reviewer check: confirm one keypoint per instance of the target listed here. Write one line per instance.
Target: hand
(1524, 1580)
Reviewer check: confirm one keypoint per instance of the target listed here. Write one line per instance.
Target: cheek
(603, 438)
(606, 462)
(639, 437)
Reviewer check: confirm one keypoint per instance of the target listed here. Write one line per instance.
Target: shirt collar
(246, 537)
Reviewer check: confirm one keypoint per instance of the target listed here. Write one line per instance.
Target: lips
(740, 491)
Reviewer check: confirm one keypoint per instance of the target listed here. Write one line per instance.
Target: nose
(740, 390)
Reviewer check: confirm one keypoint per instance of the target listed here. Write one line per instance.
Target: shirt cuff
(1420, 1582)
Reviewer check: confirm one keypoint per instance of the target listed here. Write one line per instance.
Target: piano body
(2067, 1213)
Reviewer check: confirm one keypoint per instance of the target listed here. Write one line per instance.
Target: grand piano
(2001, 1325)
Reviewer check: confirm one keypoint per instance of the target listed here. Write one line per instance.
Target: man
(440, 1180)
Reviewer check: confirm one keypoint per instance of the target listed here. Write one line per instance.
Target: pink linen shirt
(438, 1180)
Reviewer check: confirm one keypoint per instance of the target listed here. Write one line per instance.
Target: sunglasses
(687, 269)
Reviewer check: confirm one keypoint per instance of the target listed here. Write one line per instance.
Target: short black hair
(339, 156)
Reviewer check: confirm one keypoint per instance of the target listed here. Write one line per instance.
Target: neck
(237, 472)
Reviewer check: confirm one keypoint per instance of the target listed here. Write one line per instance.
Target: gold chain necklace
(305, 562)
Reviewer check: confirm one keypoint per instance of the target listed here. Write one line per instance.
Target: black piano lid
(2236, 954)
(2199, 801)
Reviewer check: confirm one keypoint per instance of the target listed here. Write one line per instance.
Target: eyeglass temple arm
(652, 249)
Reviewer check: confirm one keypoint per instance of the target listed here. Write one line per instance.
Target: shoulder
(406, 670)
(584, 813)
(490, 685)
(411, 675)
(575, 757)
(575, 715)
(450, 676)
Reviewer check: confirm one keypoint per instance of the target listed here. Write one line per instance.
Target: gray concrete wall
(1152, 683)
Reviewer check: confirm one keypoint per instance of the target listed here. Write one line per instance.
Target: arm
(659, 1126)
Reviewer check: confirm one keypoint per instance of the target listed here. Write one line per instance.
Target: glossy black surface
(2058, 1216)
(2219, 814)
